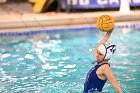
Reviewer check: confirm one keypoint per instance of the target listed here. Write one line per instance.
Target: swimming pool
(57, 61)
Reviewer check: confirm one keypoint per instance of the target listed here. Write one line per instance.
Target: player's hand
(110, 32)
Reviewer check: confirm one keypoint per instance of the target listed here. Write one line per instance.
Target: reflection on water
(59, 62)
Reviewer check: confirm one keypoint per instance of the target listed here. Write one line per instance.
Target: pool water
(57, 62)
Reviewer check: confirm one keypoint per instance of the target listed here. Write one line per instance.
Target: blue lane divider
(34, 32)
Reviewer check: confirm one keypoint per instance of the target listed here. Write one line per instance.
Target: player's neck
(105, 61)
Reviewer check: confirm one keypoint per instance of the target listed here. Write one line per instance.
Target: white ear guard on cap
(107, 49)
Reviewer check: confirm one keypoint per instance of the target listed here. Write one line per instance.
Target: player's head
(105, 51)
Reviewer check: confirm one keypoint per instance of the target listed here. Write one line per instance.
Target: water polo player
(98, 75)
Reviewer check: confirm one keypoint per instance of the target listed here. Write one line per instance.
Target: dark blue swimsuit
(93, 83)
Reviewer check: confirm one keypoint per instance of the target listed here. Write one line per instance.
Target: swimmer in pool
(98, 75)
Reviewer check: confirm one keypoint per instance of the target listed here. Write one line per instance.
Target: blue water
(58, 62)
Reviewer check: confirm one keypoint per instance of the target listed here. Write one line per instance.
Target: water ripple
(48, 67)
(70, 66)
(5, 56)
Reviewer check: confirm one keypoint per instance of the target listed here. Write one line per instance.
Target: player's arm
(103, 40)
(111, 78)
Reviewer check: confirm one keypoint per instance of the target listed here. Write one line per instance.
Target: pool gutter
(14, 21)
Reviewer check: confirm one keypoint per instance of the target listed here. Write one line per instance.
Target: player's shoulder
(105, 66)
(106, 69)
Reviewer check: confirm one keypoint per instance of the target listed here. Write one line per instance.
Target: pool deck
(13, 16)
